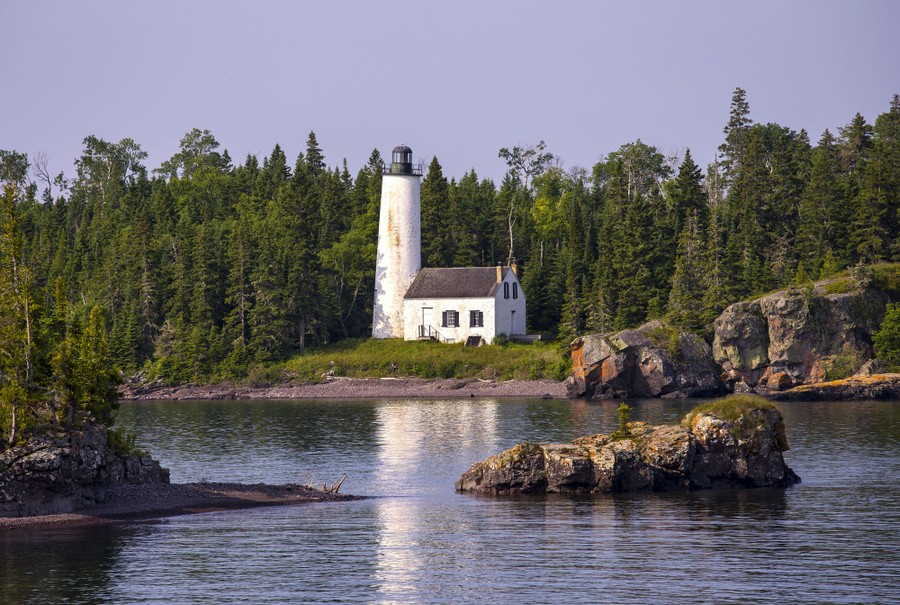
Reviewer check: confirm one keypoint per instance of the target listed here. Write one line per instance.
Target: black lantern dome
(401, 160)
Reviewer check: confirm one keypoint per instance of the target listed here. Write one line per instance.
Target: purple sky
(457, 79)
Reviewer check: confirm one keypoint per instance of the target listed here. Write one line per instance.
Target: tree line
(204, 267)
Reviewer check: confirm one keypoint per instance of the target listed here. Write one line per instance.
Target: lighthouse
(399, 256)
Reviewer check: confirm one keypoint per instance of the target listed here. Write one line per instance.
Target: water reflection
(415, 442)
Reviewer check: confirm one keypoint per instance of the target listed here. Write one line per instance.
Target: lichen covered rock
(790, 338)
(653, 361)
(738, 444)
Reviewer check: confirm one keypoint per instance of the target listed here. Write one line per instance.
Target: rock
(57, 474)
(652, 361)
(871, 368)
(855, 388)
(707, 451)
(790, 338)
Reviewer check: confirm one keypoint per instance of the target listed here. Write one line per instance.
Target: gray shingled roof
(457, 282)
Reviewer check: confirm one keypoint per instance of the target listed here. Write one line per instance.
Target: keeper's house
(459, 304)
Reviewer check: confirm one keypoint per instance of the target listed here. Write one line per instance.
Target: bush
(887, 338)
(843, 366)
(123, 443)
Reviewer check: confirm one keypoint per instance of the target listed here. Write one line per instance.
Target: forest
(204, 267)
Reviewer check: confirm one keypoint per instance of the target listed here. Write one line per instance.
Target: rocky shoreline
(855, 388)
(146, 502)
(353, 388)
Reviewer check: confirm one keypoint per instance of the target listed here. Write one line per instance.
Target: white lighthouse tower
(399, 242)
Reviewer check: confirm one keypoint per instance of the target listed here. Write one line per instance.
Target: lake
(835, 538)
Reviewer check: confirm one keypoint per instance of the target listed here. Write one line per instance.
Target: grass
(667, 337)
(372, 358)
(730, 408)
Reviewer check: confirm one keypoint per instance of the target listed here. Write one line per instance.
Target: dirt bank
(355, 388)
(146, 502)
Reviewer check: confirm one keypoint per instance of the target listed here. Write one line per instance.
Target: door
(427, 327)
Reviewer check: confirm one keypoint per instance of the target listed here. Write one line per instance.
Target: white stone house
(454, 304)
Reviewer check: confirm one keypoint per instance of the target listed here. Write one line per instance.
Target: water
(835, 538)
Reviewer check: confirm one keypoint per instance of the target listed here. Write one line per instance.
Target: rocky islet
(709, 449)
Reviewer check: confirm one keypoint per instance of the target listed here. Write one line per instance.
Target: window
(505, 289)
(476, 319)
(515, 290)
(450, 319)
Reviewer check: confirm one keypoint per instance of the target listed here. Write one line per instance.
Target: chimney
(499, 273)
(514, 267)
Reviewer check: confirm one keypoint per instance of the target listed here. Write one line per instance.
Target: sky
(456, 80)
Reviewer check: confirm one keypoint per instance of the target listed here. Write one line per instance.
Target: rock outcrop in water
(653, 361)
(58, 474)
(736, 442)
(859, 388)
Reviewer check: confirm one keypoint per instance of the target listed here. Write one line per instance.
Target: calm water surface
(835, 538)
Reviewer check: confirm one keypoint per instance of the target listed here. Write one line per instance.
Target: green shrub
(668, 338)
(886, 277)
(843, 366)
(887, 338)
(123, 443)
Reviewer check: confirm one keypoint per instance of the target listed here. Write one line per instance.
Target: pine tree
(315, 160)
(689, 281)
(876, 224)
(95, 376)
(18, 319)
(437, 220)
(824, 218)
(686, 196)
(736, 133)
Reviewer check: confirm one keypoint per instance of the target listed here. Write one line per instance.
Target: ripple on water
(832, 539)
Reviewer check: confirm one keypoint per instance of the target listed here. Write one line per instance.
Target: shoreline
(879, 386)
(151, 502)
(354, 388)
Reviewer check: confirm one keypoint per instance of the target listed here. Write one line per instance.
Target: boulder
(653, 361)
(59, 473)
(790, 338)
(708, 450)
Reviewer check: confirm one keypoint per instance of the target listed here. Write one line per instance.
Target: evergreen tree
(315, 160)
(437, 221)
(689, 281)
(823, 213)
(875, 224)
(736, 134)
(686, 196)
